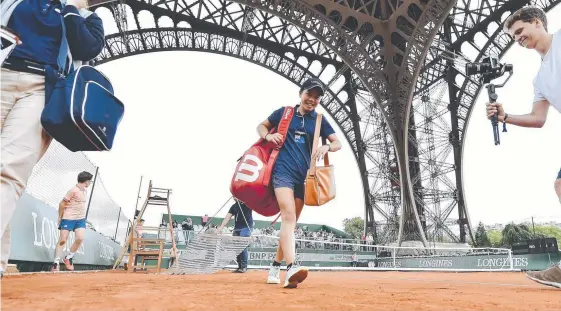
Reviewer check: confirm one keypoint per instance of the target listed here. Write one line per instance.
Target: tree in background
(548, 232)
(495, 238)
(481, 238)
(354, 227)
(513, 233)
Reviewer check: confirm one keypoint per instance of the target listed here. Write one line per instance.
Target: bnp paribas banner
(255, 254)
(310, 257)
(35, 234)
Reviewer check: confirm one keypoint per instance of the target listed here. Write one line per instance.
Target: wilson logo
(249, 169)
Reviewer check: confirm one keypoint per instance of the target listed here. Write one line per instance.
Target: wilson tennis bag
(81, 111)
(250, 183)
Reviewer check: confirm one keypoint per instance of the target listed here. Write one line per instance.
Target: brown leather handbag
(320, 180)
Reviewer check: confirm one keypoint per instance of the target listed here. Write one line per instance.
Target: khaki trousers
(23, 142)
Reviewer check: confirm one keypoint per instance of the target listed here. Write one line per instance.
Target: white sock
(70, 255)
(57, 260)
(560, 265)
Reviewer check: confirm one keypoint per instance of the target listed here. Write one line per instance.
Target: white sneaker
(294, 276)
(274, 275)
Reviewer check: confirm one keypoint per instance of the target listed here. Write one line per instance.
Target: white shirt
(547, 84)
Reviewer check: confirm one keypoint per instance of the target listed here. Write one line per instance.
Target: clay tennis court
(117, 290)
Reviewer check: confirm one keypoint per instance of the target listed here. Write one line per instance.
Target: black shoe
(242, 270)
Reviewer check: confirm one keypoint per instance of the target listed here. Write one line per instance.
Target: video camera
(490, 68)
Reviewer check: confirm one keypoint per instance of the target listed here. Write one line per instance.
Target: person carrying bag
(290, 169)
(38, 24)
(251, 183)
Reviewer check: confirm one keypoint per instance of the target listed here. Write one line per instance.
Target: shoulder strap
(315, 146)
(284, 123)
(282, 129)
(63, 50)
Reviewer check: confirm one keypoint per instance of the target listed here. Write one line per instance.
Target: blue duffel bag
(81, 111)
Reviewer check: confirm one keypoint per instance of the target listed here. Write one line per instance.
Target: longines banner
(523, 262)
(35, 235)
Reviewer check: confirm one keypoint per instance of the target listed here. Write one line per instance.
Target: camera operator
(39, 25)
(528, 27)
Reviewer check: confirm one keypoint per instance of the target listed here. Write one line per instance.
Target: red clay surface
(117, 290)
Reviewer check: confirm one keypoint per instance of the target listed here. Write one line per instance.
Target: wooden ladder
(141, 249)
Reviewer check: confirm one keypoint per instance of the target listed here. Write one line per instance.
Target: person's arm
(85, 35)
(61, 207)
(272, 121)
(263, 128)
(64, 203)
(224, 222)
(334, 143)
(535, 119)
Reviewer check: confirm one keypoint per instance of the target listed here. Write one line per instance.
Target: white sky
(190, 115)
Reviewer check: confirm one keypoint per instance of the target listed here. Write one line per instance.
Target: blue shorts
(71, 225)
(283, 181)
(559, 175)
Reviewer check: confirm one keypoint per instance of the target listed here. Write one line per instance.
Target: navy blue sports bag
(81, 111)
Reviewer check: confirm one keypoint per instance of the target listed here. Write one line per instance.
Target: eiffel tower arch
(389, 90)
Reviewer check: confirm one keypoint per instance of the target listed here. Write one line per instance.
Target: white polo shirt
(547, 84)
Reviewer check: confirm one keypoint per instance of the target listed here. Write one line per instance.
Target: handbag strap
(282, 129)
(63, 51)
(315, 146)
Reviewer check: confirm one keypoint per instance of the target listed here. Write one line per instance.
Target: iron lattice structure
(402, 107)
